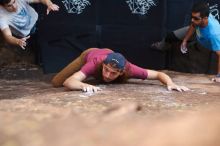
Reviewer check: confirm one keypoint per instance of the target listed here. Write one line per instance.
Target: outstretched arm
(166, 80)
(50, 5)
(13, 40)
(74, 82)
(217, 78)
(188, 35)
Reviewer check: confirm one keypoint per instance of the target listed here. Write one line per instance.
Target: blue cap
(117, 59)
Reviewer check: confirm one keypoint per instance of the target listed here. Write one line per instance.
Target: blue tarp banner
(126, 26)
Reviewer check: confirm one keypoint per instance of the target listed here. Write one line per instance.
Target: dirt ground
(138, 113)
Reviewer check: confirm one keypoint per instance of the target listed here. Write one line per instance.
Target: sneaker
(160, 46)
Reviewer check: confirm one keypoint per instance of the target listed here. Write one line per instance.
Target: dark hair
(3, 2)
(202, 8)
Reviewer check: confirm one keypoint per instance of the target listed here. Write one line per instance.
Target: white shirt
(21, 21)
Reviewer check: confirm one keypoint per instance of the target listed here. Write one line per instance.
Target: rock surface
(138, 113)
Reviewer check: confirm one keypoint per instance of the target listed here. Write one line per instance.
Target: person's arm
(50, 5)
(217, 78)
(74, 82)
(165, 79)
(13, 40)
(141, 73)
(218, 54)
(188, 35)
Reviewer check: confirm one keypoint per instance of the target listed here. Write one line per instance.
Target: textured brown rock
(139, 113)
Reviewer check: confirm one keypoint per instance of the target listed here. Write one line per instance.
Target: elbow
(69, 84)
(66, 84)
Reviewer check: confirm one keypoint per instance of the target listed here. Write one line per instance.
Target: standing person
(18, 19)
(107, 66)
(205, 28)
